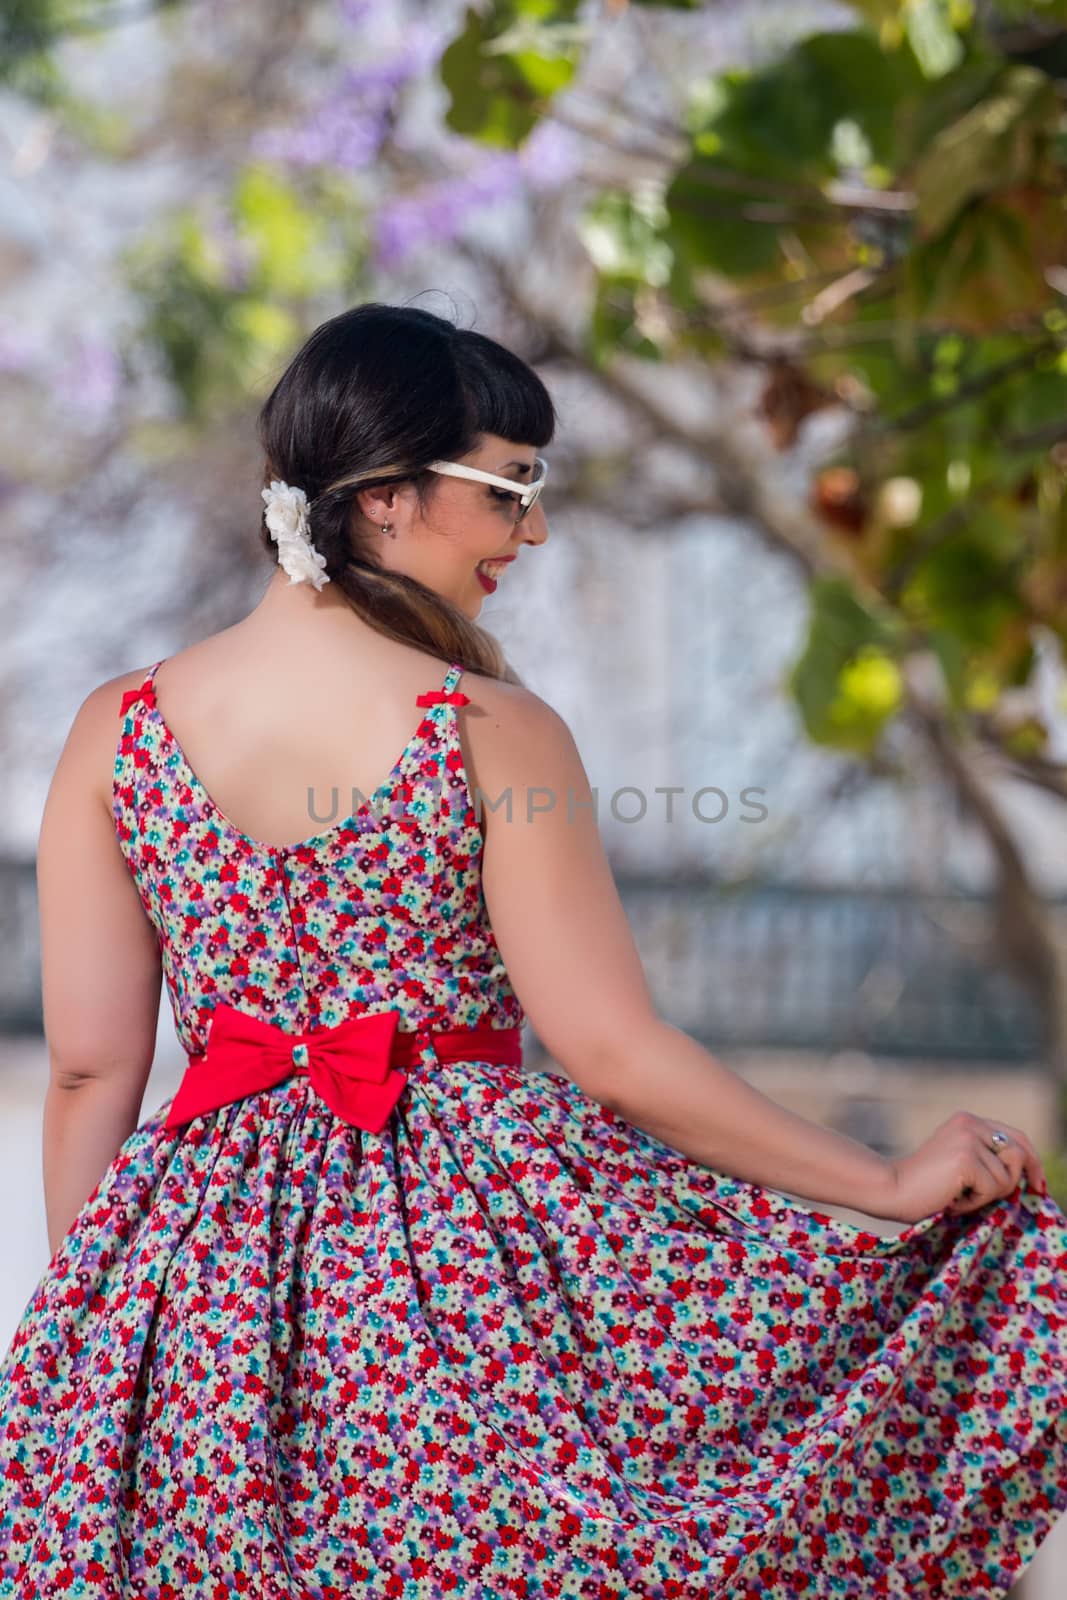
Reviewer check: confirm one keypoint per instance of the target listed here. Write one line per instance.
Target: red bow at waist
(355, 1067)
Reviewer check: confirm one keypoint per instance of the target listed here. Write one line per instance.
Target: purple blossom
(340, 134)
(90, 380)
(550, 155)
(356, 12)
(348, 128)
(438, 212)
(18, 350)
(237, 255)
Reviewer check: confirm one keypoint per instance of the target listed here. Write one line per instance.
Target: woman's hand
(957, 1169)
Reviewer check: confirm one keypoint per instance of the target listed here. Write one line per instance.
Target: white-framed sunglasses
(527, 494)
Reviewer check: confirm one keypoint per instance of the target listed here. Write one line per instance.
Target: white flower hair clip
(288, 521)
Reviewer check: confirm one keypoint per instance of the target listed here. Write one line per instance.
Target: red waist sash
(356, 1067)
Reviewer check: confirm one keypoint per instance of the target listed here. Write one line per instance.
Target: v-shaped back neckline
(326, 835)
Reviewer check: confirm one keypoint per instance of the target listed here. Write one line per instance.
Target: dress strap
(145, 690)
(448, 694)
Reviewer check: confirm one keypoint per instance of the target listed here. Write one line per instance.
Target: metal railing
(889, 972)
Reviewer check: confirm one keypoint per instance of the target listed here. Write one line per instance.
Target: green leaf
(1020, 10)
(965, 584)
(503, 69)
(952, 655)
(985, 268)
(780, 121)
(217, 342)
(1032, 404)
(877, 12)
(616, 324)
(997, 143)
(846, 683)
(31, 31)
(710, 227)
(941, 104)
(931, 32)
(765, 144)
(624, 238)
(294, 254)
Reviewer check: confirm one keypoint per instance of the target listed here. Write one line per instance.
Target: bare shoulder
(512, 707)
(514, 741)
(99, 713)
(87, 760)
(111, 691)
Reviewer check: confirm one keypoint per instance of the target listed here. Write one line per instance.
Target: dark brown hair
(372, 396)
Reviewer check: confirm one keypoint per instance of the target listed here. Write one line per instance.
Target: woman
(365, 1310)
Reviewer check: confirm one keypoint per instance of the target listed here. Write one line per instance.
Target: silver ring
(998, 1139)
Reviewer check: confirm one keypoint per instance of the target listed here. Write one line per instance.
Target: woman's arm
(570, 954)
(668, 1084)
(100, 967)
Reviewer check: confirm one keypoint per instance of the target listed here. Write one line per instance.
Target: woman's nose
(534, 526)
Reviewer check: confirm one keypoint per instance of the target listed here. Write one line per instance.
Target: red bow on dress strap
(438, 697)
(145, 692)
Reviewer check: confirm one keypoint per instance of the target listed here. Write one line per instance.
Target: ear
(379, 504)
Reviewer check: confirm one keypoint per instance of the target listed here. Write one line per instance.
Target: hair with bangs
(372, 397)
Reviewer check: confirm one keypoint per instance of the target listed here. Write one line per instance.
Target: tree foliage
(892, 201)
(875, 218)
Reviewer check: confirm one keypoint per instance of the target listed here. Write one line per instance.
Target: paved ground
(23, 1079)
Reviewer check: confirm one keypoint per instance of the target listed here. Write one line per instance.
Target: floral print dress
(494, 1343)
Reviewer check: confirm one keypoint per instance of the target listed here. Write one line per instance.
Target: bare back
(286, 744)
(264, 727)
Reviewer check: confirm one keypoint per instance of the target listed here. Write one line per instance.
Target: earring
(385, 529)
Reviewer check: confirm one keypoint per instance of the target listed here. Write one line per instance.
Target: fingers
(995, 1179)
(1005, 1163)
(981, 1184)
(990, 1172)
(1029, 1160)
(995, 1173)
(1019, 1136)
(1031, 1163)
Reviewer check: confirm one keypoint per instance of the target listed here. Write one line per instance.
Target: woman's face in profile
(469, 526)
